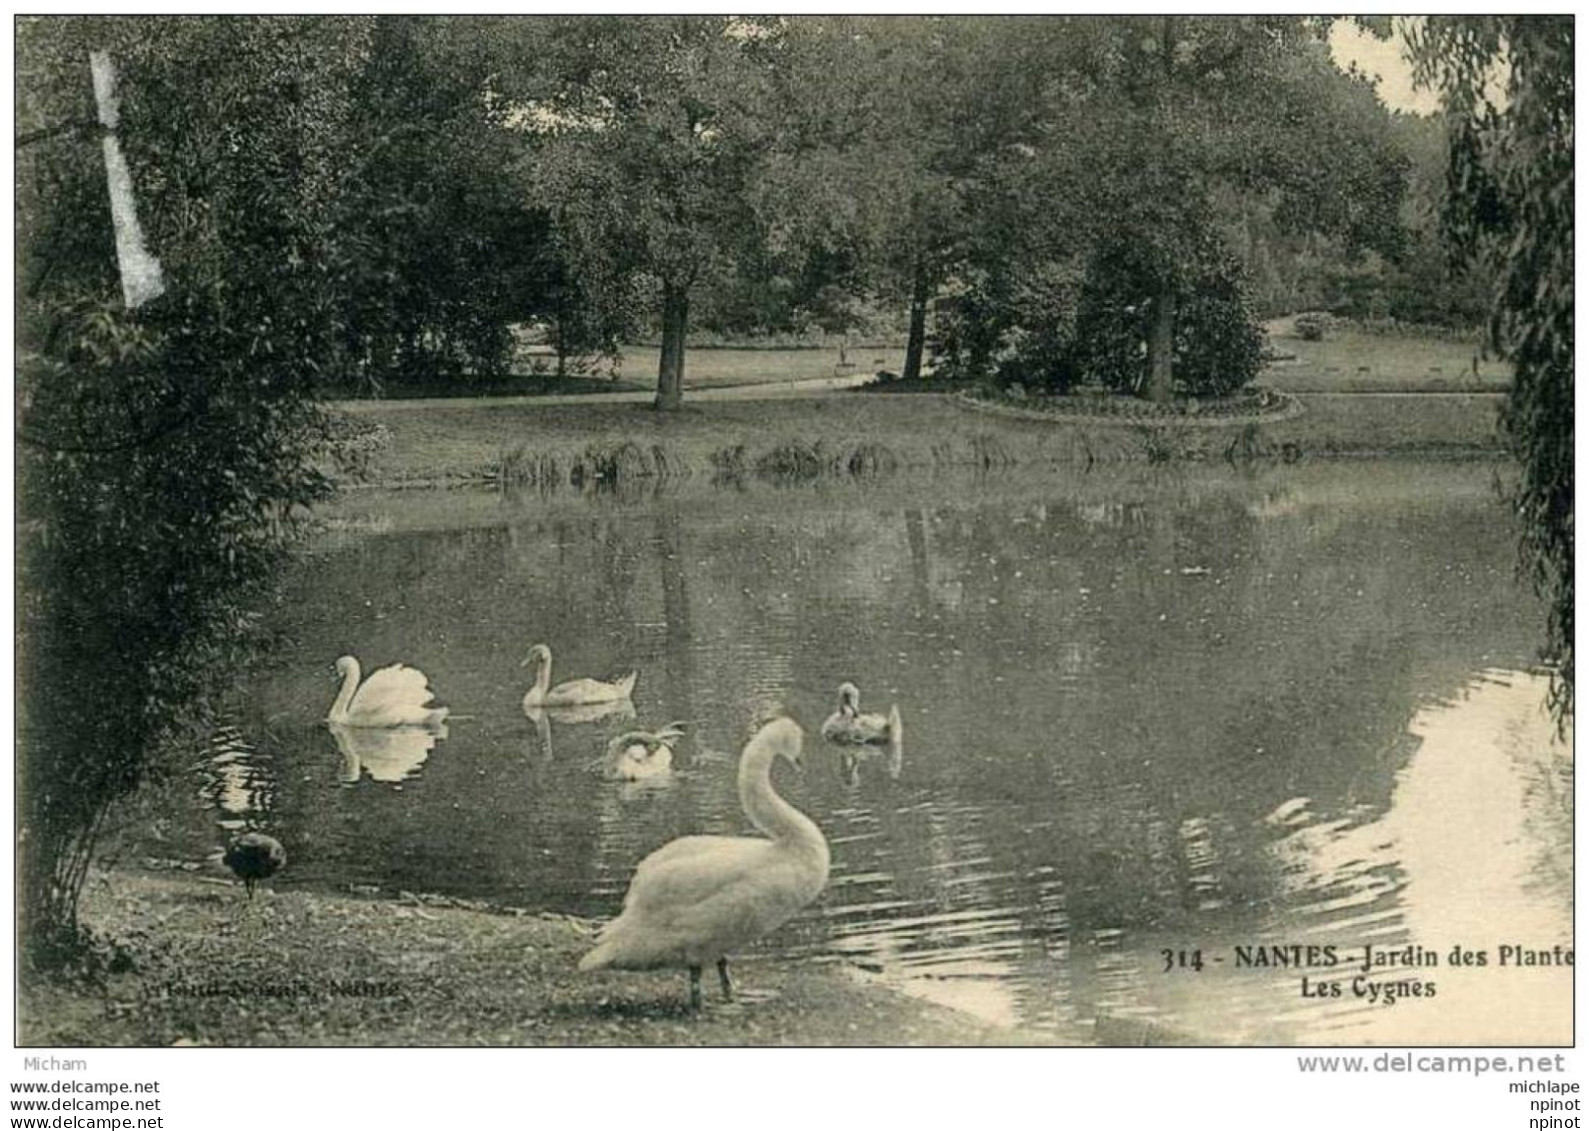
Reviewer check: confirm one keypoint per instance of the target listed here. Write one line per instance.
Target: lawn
(507, 385)
(706, 366)
(636, 371)
(1351, 361)
(1345, 361)
(462, 441)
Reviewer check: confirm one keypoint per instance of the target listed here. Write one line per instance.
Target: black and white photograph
(589, 529)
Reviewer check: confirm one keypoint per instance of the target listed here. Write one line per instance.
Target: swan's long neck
(543, 671)
(771, 813)
(350, 683)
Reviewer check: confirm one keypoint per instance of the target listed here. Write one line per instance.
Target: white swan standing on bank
(848, 727)
(394, 696)
(697, 898)
(573, 692)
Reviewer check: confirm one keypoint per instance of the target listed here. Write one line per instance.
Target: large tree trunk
(1161, 347)
(670, 371)
(914, 344)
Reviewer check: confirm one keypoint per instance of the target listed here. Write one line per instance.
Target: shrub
(1310, 327)
(1066, 322)
(167, 453)
(1039, 347)
(1218, 342)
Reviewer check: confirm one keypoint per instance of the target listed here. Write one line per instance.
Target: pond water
(1188, 711)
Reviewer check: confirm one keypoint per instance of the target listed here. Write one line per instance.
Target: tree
(1155, 125)
(1511, 211)
(166, 453)
(447, 253)
(907, 121)
(647, 141)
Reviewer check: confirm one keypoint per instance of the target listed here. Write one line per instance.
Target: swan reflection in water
(861, 736)
(890, 758)
(386, 755)
(544, 717)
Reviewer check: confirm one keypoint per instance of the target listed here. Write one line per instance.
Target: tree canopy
(1153, 139)
(1511, 212)
(649, 141)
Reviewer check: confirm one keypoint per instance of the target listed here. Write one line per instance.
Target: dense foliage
(1511, 210)
(1218, 344)
(1071, 323)
(445, 255)
(1162, 143)
(165, 452)
(648, 140)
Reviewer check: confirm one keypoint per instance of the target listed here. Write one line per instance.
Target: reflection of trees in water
(678, 700)
(920, 569)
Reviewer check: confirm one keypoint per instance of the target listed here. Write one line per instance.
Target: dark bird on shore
(253, 857)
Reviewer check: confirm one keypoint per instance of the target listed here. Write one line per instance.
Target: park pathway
(761, 391)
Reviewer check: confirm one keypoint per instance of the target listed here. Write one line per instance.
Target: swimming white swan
(696, 898)
(395, 696)
(849, 727)
(640, 755)
(573, 692)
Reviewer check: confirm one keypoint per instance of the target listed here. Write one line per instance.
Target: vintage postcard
(794, 530)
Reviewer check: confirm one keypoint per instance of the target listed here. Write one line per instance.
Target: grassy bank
(708, 366)
(536, 445)
(634, 370)
(1347, 360)
(296, 968)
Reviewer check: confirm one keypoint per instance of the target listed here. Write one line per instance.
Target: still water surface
(1144, 713)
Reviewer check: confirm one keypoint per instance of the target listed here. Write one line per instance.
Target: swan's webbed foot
(695, 988)
(724, 980)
